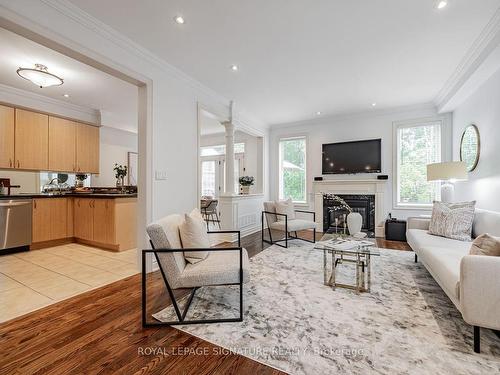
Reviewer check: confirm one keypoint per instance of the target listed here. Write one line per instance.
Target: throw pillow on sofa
(193, 233)
(286, 208)
(486, 245)
(452, 220)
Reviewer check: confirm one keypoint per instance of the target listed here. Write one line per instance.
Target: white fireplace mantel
(352, 187)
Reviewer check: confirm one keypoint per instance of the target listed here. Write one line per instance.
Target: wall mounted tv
(352, 157)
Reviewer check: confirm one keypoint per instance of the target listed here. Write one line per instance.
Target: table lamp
(447, 173)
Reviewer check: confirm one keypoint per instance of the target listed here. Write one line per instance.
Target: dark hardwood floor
(100, 332)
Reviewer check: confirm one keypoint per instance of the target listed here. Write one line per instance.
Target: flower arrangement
(120, 171)
(246, 180)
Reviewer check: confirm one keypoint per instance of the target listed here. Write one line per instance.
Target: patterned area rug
(406, 325)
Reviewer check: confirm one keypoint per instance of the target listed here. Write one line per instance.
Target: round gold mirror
(470, 147)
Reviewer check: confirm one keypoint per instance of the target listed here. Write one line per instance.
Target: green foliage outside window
(293, 169)
(418, 146)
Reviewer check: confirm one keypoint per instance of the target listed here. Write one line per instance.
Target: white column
(229, 166)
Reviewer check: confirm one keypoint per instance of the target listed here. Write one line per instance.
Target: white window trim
(446, 151)
(287, 138)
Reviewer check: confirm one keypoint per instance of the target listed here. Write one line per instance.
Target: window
(292, 169)
(417, 145)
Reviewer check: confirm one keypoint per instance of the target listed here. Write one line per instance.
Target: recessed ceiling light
(180, 20)
(441, 4)
(234, 68)
(318, 113)
(66, 95)
(374, 104)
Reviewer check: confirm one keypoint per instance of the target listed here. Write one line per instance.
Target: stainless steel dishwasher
(15, 225)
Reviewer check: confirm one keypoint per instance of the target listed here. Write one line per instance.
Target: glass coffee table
(339, 250)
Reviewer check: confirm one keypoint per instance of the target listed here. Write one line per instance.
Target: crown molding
(361, 114)
(17, 97)
(86, 20)
(485, 43)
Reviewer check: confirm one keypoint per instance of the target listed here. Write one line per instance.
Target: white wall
(114, 148)
(368, 125)
(482, 108)
(168, 117)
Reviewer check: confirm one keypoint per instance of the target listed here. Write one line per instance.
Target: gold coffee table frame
(360, 257)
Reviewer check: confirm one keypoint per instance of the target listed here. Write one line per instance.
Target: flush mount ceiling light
(234, 68)
(66, 95)
(180, 20)
(441, 4)
(40, 76)
(318, 113)
(374, 104)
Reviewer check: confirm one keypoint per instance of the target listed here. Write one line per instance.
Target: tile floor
(34, 279)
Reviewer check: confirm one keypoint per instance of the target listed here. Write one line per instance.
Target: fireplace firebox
(335, 216)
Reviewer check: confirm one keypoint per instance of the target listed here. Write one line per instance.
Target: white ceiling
(298, 57)
(88, 87)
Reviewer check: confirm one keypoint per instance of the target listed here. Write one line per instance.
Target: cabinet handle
(78, 202)
(10, 162)
(34, 203)
(18, 164)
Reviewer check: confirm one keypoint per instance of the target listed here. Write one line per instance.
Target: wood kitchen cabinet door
(87, 148)
(58, 218)
(104, 221)
(62, 145)
(6, 137)
(41, 220)
(31, 140)
(83, 218)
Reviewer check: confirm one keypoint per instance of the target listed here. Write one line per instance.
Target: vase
(244, 190)
(119, 182)
(354, 223)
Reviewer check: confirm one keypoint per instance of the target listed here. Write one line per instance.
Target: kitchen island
(104, 220)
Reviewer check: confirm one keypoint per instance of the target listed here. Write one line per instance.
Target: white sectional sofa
(472, 282)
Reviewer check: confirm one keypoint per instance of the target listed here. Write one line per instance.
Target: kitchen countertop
(79, 195)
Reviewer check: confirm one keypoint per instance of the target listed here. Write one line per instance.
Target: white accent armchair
(222, 267)
(270, 217)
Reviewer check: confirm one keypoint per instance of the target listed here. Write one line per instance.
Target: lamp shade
(453, 170)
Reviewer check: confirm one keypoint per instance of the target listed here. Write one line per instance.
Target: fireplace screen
(335, 213)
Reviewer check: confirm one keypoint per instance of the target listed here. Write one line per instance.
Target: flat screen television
(352, 157)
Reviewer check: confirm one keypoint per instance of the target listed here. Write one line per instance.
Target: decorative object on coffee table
(120, 173)
(245, 183)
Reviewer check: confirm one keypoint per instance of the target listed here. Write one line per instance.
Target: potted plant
(245, 183)
(79, 178)
(120, 173)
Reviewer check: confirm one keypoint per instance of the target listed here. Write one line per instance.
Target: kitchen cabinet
(6, 137)
(83, 219)
(31, 140)
(62, 145)
(108, 223)
(41, 220)
(87, 148)
(104, 221)
(50, 219)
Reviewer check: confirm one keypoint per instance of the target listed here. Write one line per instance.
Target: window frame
(445, 124)
(304, 203)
